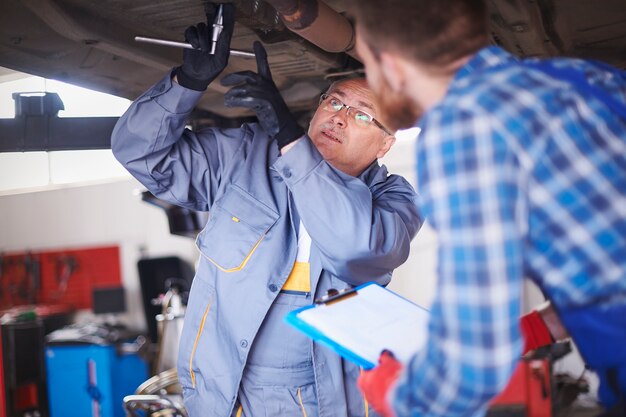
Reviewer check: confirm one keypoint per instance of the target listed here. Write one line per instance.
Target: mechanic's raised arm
(151, 141)
(363, 231)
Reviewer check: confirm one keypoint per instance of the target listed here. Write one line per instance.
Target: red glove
(375, 384)
(535, 331)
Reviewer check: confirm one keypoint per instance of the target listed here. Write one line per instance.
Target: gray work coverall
(235, 348)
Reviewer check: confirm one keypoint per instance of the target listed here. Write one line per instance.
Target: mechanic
(292, 215)
(521, 168)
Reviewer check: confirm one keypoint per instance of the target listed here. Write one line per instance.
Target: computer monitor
(108, 300)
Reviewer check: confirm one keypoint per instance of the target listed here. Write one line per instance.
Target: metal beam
(52, 133)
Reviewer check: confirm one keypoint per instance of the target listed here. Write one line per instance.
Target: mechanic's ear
(388, 142)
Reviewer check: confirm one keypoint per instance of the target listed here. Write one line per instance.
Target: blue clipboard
(359, 323)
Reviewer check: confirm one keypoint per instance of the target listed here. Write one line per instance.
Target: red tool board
(65, 276)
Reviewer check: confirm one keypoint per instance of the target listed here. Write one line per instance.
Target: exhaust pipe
(318, 23)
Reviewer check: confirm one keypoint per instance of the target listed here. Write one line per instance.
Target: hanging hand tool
(65, 267)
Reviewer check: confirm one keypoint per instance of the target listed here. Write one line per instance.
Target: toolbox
(90, 377)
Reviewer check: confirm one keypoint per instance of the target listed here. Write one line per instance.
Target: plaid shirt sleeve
(470, 184)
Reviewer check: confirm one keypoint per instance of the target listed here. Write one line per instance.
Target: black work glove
(259, 93)
(199, 66)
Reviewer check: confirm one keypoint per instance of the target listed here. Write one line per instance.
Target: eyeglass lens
(331, 103)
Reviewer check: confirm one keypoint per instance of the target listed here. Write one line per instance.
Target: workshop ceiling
(91, 42)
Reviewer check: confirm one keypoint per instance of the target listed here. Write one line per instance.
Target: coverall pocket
(283, 401)
(290, 402)
(237, 224)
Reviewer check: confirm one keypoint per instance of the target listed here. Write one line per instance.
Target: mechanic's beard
(397, 110)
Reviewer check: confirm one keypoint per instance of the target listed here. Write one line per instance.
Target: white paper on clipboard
(361, 326)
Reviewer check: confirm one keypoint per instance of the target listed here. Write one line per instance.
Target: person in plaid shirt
(522, 173)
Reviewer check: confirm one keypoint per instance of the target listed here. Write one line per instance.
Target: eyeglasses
(361, 118)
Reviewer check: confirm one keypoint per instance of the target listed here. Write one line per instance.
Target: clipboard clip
(334, 295)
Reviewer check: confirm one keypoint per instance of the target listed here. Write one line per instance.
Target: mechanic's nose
(340, 118)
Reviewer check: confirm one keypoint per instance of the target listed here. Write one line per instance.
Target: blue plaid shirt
(521, 176)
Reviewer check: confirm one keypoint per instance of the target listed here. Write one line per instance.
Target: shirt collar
(485, 58)
(374, 173)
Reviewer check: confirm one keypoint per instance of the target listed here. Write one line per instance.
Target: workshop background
(105, 226)
(94, 272)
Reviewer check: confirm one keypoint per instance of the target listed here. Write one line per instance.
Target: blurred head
(345, 128)
(397, 108)
(433, 33)
(434, 36)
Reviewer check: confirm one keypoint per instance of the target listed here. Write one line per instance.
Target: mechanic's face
(345, 138)
(397, 109)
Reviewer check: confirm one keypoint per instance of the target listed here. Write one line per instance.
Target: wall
(103, 214)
